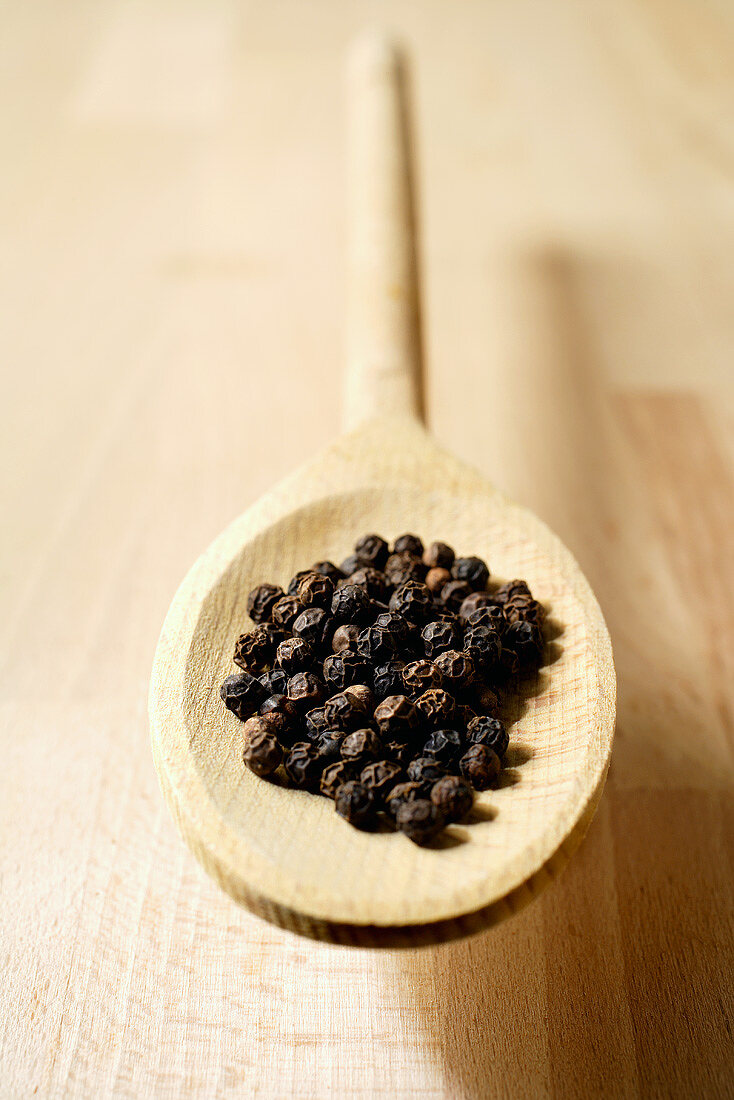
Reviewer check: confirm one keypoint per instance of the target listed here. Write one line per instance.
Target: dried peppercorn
(453, 797)
(254, 650)
(315, 722)
(361, 746)
(373, 550)
(377, 644)
(262, 752)
(396, 717)
(445, 745)
(493, 616)
(302, 765)
(457, 668)
(333, 776)
(484, 730)
(413, 601)
(399, 750)
(305, 690)
(420, 821)
(480, 766)
(436, 706)
(351, 563)
(398, 626)
(344, 712)
(242, 694)
(375, 583)
(350, 603)
(362, 695)
(472, 570)
(454, 593)
(314, 626)
(343, 669)
(328, 745)
(437, 579)
(439, 555)
(387, 679)
(483, 645)
(510, 664)
(379, 777)
(294, 655)
(464, 714)
(404, 792)
(473, 603)
(316, 590)
(275, 681)
(328, 569)
(524, 609)
(425, 769)
(526, 641)
(401, 568)
(511, 588)
(345, 637)
(354, 803)
(408, 544)
(286, 610)
(487, 699)
(296, 580)
(420, 676)
(280, 704)
(439, 636)
(261, 600)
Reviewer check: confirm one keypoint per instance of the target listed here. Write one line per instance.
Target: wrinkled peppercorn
(404, 792)
(439, 555)
(425, 769)
(328, 569)
(242, 694)
(373, 550)
(457, 668)
(445, 745)
(436, 706)
(398, 749)
(487, 699)
(296, 580)
(437, 579)
(261, 601)
(412, 600)
(483, 645)
(313, 625)
(361, 746)
(275, 682)
(401, 568)
(316, 590)
(315, 723)
(375, 583)
(454, 593)
(350, 603)
(472, 570)
(379, 777)
(280, 704)
(344, 712)
(294, 655)
(474, 602)
(262, 753)
(408, 544)
(398, 626)
(493, 616)
(302, 765)
(453, 797)
(421, 821)
(362, 695)
(480, 766)
(377, 644)
(526, 641)
(354, 803)
(351, 563)
(345, 637)
(491, 732)
(333, 776)
(396, 717)
(439, 636)
(511, 588)
(420, 676)
(387, 679)
(524, 609)
(286, 610)
(343, 669)
(253, 650)
(306, 690)
(328, 745)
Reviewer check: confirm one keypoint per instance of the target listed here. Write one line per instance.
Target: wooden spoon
(284, 853)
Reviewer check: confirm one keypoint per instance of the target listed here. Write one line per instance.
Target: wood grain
(577, 232)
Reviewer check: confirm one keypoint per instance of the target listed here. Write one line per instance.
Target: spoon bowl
(284, 853)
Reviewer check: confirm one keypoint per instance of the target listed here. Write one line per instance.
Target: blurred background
(173, 250)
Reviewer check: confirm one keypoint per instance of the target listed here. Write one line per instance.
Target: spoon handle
(383, 335)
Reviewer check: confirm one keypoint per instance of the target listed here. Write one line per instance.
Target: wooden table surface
(172, 209)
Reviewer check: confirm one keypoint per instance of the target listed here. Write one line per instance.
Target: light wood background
(172, 210)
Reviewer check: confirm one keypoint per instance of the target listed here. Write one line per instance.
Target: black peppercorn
(361, 746)
(377, 644)
(302, 765)
(333, 776)
(454, 593)
(439, 555)
(421, 821)
(372, 550)
(457, 668)
(483, 645)
(396, 717)
(351, 604)
(328, 745)
(354, 803)
(242, 694)
(524, 609)
(473, 602)
(439, 636)
(345, 637)
(261, 601)
(379, 777)
(399, 750)
(351, 563)
(328, 569)
(275, 682)
(436, 706)
(362, 695)
(294, 655)
(343, 669)
(280, 704)
(472, 570)
(286, 610)
(412, 600)
(314, 626)
(425, 769)
(484, 730)
(487, 699)
(305, 690)
(296, 580)
(401, 568)
(387, 679)
(453, 797)
(316, 590)
(262, 753)
(344, 712)
(437, 579)
(480, 766)
(315, 723)
(511, 588)
(252, 650)
(420, 676)
(375, 583)
(408, 544)
(404, 792)
(445, 745)
(526, 641)
(488, 616)
(398, 626)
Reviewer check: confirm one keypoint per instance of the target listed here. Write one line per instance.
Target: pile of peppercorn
(377, 683)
